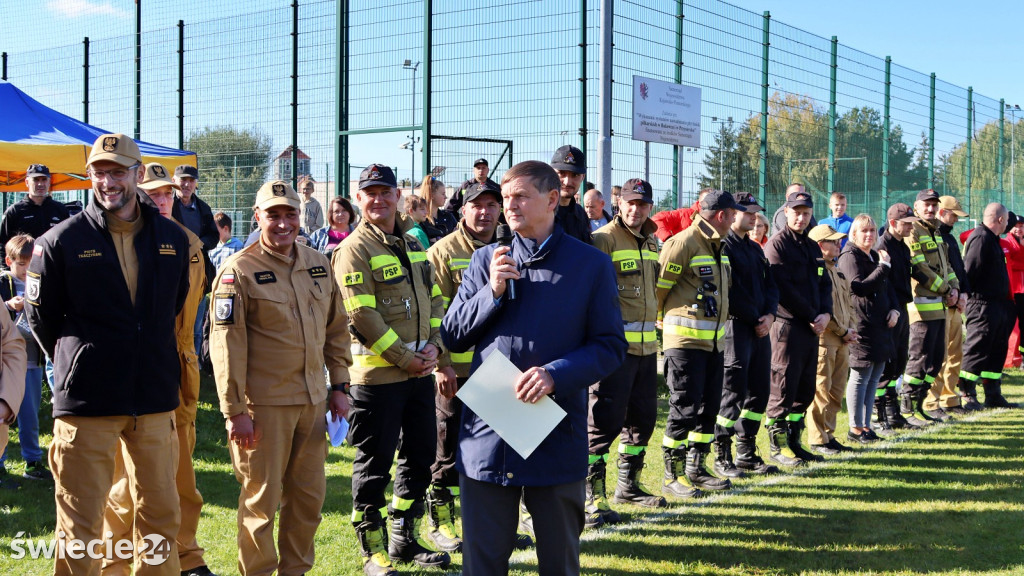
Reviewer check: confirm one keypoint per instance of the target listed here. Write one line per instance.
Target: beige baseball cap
(823, 232)
(116, 148)
(953, 205)
(156, 176)
(277, 193)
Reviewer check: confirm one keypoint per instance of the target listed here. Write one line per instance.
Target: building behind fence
(432, 85)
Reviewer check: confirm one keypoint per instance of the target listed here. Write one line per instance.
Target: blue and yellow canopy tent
(31, 133)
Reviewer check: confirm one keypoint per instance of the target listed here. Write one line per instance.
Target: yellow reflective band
(701, 261)
(435, 291)
(367, 361)
(700, 438)
(462, 357)
(670, 443)
(383, 260)
(770, 421)
(623, 255)
(446, 301)
(401, 503)
(635, 337)
(435, 322)
(415, 257)
(666, 284)
(936, 285)
(360, 301)
(748, 415)
(950, 276)
(458, 263)
(928, 307)
(968, 376)
(357, 516)
(724, 422)
(929, 379)
(907, 378)
(629, 449)
(925, 238)
(917, 259)
(725, 259)
(673, 268)
(991, 375)
(389, 338)
(794, 417)
(648, 255)
(879, 392)
(695, 333)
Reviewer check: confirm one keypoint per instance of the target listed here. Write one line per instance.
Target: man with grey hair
(990, 312)
(593, 204)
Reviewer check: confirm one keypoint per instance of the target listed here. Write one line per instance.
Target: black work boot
(892, 412)
(628, 489)
(908, 409)
(779, 446)
(596, 511)
(373, 544)
(796, 429)
(405, 545)
(748, 460)
(698, 474)
(676, 483)
(882, 424)
(994, 395)
(969, 396)
(723, 465)
(441, 518)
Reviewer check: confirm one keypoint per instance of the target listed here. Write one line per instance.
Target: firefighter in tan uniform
(13, 363)
(396, 310)
(450, 257)
(278, 318)
(693, 299)
(935, 287)
(833, 349)
(159, 189)
(625, 404)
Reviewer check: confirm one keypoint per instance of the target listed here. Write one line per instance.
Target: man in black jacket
(805, 308)
(481, 171)
(990, 312)
(104, 288)
(900, 218)
(196, 215)
(753, 302)
(35, 213)
(571, 165)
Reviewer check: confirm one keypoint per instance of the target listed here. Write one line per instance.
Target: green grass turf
(945, 500)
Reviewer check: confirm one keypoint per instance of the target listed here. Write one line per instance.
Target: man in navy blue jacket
(562, 328)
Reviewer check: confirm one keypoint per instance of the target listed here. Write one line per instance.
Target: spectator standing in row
(341, 219)
(481, 171)
(779, 220)
(196, 215)
(593, 204)
(877, 311)
(839, 220)
(432, 192)
(571, 165)
(312, 211)
(37, 212)
(227, 245)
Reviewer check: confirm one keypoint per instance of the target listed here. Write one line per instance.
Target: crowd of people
(380, 316)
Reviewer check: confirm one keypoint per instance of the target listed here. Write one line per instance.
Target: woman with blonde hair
(442, 221)
(875, 306)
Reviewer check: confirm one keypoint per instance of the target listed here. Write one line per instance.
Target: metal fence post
(138, 69)
(295, 93)
(604, 138)
(428, 54)
(341, 169)
(762, 162)
(3, 72)
(85, 80)
(181, 84)
(583, 75)
(680, 17)
(885, 137)
(931, 136)
(832, 118)
(970, 139)
(1002, 135)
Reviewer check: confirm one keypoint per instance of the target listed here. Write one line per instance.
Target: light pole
(408, 65)
(721, 152)
(1013, 108)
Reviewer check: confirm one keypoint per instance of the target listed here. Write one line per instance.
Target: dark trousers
(794, 368)
(989, 325)
(490, 515)
(624, 403)
(1018, 301)
(747, 384)
(386, 417)
(927, 351)
(901, 350)
(449, 415)
(695, 381)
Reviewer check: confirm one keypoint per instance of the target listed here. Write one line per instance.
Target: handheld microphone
(504, 235)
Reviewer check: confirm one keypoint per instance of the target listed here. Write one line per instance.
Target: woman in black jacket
(875, 306)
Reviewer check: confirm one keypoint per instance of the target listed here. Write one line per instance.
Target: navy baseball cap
(720, 200)
(929, 194)
(747, 200)
(479, 189)
(569, 158)
(637, 189)
(800, 199)
(37, 170)
(186, 171)
(377, 175)
(479, 161)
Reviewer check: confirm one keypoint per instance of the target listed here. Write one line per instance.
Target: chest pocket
(393, 291)
(269, 307)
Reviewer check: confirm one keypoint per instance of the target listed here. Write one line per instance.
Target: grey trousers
(490, 516)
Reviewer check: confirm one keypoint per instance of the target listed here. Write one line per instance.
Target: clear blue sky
(975, 43)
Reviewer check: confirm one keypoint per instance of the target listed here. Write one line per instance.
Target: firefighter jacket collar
(705, 228)
(464, 230)
(402, 225)
(648, 228)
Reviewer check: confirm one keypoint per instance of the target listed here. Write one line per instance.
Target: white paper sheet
(336, 431)
(490, 392)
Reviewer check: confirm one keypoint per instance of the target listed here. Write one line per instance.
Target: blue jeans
(860, 393)
(28, 417)
(197, 328)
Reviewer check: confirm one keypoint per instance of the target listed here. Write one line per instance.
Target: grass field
(945, 500)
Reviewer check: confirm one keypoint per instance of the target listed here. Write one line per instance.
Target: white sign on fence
(666, 112)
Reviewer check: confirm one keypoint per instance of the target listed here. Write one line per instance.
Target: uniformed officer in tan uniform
(396, 310)
(159, 188)
(277, 319)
